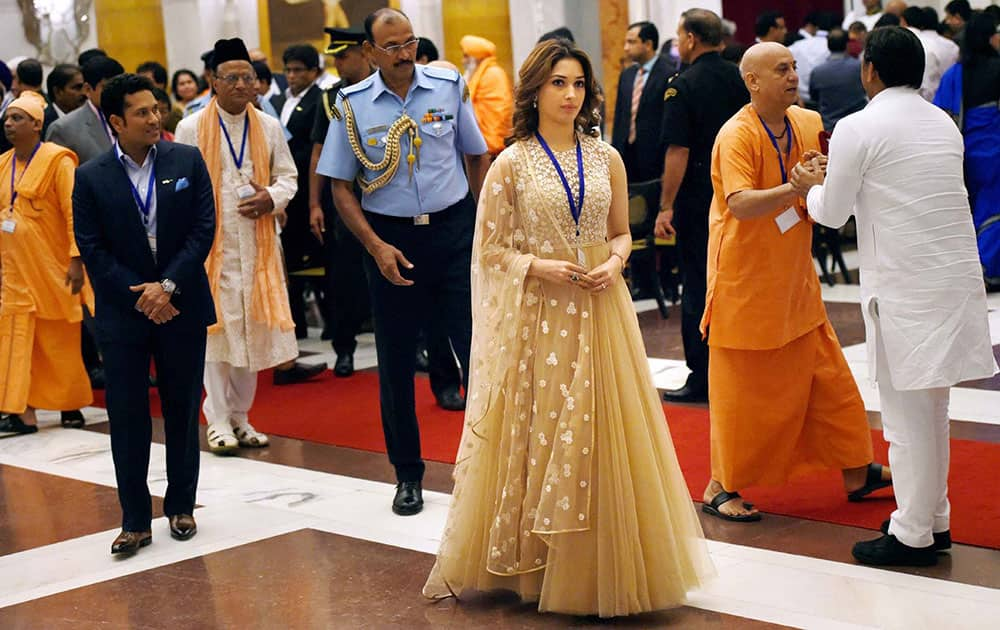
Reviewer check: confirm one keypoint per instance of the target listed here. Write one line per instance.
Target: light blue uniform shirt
(440, 181)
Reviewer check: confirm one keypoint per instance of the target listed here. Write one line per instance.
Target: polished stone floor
(300, 535)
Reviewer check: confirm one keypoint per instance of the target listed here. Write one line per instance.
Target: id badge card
(245, 192)
(787, 219)
(152, 244)
(8, 226)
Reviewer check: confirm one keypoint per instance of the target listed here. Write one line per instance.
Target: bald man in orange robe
(43, 280)
(781, 396)
(490, 90)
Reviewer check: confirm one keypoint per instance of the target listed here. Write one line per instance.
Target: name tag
(8, 226)
(152, 244)
(787, 219)
(422, 219)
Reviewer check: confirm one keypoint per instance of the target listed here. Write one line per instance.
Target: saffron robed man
(144, 221)
(253, 177)
(782, 397)
(43, 284)
(404, 131)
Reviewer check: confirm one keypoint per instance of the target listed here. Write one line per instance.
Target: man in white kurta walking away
(253, 177)
(897, 166)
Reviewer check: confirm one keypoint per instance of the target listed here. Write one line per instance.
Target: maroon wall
(745, 12)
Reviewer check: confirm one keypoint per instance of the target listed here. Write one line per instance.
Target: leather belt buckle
(422, 219)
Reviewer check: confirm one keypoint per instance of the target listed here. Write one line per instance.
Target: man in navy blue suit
(144, 217)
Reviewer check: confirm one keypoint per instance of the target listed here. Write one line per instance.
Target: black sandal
(723, 497)
(873, 482)
(72, 419)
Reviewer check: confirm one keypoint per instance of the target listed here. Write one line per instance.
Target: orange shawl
(269, 303)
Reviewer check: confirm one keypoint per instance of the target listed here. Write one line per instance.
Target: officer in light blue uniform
(403, 132)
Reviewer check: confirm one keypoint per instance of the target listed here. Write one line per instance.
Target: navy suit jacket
(115, 249)
(649, 151)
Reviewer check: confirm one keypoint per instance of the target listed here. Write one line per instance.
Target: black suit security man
(296, 108)
(695, 106)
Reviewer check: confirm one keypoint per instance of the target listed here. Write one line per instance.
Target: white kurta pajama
(897, 167)
(244, 346)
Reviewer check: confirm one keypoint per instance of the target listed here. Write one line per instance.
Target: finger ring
(604, 286)
(574, 278)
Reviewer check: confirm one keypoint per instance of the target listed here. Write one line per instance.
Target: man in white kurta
(897, 167)
(242, 345)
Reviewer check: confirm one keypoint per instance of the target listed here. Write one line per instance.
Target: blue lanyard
(144, 206)
(229, 141)
(774, 142)
(575, 206)
(13, 170)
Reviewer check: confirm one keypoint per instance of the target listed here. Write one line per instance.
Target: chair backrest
(643, 205)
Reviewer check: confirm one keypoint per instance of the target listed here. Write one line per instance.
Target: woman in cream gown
(567, 487)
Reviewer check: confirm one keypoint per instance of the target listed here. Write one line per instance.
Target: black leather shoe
(14, 424)
(130, 542)
(888, 551)
(686, 394)
(423, 363)
(298, 373)
(182, 526)
(451, 399)
(344, 365)
(72, 419)
(409, 498)
(942, 540)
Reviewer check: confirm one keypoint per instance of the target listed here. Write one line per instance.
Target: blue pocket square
(182, 183)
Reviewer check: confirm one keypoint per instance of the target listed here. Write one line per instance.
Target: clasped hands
(564, 272)
(809, 172)
(154, 302)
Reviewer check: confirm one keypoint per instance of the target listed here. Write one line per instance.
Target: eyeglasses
(233, 79)
(395, 50)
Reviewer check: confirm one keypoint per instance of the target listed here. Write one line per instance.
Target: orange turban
(31, 103)
(478, 47)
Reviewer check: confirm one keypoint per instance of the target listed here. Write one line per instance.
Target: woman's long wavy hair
(535, 71)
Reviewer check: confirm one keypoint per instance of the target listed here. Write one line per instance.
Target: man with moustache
(782, 398)
(66, 92)
(405, 130)
(253, 177)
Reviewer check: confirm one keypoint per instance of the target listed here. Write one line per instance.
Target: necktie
(640, 82)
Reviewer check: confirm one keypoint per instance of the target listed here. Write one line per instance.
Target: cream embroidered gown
(567, 487)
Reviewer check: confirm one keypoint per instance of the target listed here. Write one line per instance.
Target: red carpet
(344, 412)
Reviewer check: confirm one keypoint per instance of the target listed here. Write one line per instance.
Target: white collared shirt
(140, 178)
(809, 52)
(291, 102)
(897, 166)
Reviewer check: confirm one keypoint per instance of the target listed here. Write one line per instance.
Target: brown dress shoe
(130, 542)
(182, 526)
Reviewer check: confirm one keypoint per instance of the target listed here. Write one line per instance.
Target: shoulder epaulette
(359, 86)
(441, 73)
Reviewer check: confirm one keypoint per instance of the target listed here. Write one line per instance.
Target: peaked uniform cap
(343, 38)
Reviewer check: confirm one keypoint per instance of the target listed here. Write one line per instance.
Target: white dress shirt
(897, 167)
(860, 15)
(940, 53)
(809, 52)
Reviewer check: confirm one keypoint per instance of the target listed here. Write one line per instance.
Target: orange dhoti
(778, 413)
(41, 365)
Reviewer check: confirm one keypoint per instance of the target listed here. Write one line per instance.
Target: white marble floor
(248, 500)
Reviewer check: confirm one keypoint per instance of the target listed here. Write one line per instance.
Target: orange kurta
(40, 362)
(493, 102)
(781, 395)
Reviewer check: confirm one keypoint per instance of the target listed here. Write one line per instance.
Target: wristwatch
(168, 285)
